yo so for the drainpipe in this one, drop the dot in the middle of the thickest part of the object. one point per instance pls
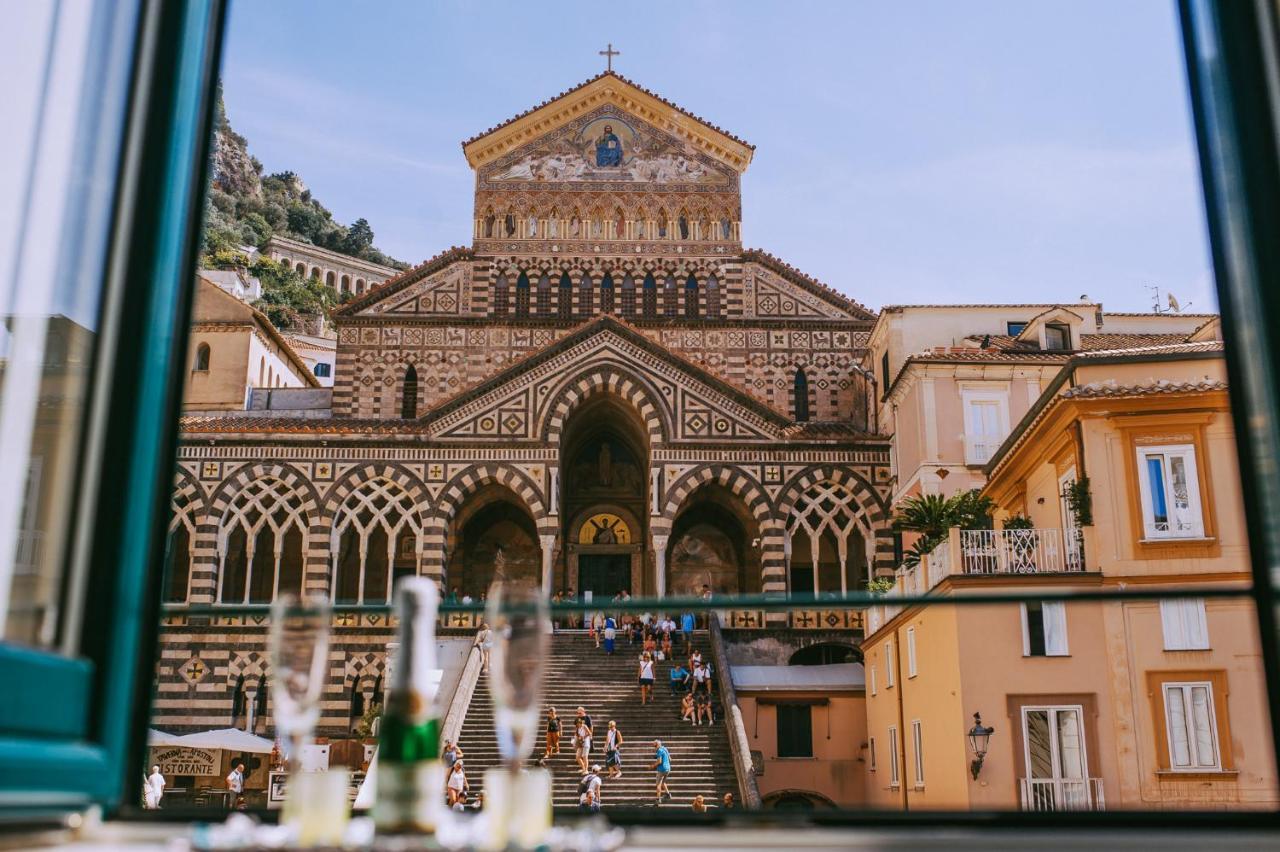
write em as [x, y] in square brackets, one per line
[898, 686]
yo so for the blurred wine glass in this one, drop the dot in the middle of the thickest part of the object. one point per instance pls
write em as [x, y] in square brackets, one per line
[299, 647]
[518, 615]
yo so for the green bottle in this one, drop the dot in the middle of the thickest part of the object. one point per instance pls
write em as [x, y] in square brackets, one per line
[410, 776]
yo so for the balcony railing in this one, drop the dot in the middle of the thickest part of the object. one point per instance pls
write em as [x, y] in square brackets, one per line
[1062, 794]
[1034, 551]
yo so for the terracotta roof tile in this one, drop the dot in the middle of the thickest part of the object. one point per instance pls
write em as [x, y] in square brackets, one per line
[1179, 347]
[588, 82]
[1110, 389]
[1106, 340]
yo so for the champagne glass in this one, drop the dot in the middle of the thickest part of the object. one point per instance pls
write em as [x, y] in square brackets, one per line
[519, 618]
[299, 647]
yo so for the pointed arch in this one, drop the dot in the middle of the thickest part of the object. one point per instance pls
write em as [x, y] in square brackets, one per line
[713, 297]
[649, 296]
[409, 394]
[261, 542]
[628, 295]
[500, 295]
[800, 396]
[606, 294]
[670, 296]
[522, 295]
[544, 294]
[376, 538]
[606, 378]
[691, 296]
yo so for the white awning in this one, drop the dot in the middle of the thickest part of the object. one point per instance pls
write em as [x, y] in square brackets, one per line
[160, 738]
[231, 739]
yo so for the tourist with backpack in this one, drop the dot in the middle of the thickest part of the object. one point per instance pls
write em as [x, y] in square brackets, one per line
[589, 791]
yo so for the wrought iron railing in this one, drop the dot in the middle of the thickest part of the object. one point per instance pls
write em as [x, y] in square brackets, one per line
[1062, 794]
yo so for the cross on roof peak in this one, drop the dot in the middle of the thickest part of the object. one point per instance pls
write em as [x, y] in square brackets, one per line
[608, 53]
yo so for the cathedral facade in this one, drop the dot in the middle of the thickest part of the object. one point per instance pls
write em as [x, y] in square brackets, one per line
[605, 391]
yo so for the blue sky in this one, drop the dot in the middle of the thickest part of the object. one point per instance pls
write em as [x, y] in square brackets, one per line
[905, 151]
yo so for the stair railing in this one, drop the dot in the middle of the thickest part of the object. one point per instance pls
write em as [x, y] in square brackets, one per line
[739, 745]
[457, 713]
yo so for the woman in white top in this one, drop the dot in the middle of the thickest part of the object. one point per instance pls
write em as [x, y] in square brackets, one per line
[582, 745]
[646, 678]
[484, 641]
[457, 786]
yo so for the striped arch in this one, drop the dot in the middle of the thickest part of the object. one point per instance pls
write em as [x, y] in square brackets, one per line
[397, 473]
[871, 501]
[455, 495]
[188, 509]
[606, 378]
[242, 476]
[873, 510]
[316, 543]
[734, 479]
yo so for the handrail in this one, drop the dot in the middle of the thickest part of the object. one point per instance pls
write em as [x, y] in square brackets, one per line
[451, 729]
[739, 745]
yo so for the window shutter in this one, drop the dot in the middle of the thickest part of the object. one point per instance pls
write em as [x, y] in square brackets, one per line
[1184, 625]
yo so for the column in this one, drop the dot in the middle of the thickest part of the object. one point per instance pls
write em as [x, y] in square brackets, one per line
[548, 543]
[660, 565]
[843, 546]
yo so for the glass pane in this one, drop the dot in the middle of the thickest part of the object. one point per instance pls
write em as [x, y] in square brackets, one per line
[1176, 717]
[1039, 743]
[1202, 724]
[61, 115]
[1071, 757]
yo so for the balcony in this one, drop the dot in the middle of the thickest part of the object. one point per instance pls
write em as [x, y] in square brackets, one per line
[986, 553]
[1062, 794]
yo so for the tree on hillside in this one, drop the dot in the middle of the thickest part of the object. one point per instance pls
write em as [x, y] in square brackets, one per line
[359, 238]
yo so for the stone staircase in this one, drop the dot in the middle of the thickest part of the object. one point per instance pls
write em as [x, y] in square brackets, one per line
[579, 674]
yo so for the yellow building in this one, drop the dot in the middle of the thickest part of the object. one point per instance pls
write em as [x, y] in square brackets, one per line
[1121, 476]
[234, 349]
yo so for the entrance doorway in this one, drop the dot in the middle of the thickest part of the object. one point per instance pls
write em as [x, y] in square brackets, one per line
[604, 574]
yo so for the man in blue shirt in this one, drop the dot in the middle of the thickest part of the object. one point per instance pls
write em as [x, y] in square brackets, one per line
[662, 768]
[686, 630]
[679, 679]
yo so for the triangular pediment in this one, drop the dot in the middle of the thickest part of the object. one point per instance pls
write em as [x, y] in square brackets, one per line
[687, 403]
[627, 99]
[433, 287]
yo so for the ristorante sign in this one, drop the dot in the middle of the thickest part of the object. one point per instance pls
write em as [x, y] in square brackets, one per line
[179, 760]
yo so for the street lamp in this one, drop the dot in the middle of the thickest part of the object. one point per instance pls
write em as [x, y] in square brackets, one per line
[979, 739]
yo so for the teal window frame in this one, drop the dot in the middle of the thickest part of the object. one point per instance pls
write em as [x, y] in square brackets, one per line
[72, 725]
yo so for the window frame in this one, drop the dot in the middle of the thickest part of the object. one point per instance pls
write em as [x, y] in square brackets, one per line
[911, 652]
[917, 748]
[984, 393]
[889, 663]
[792, 707]
[76, 742]
[1184, 689]
[895, 779]
[1195, 499]
[1045, 608]
[1220, 694]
